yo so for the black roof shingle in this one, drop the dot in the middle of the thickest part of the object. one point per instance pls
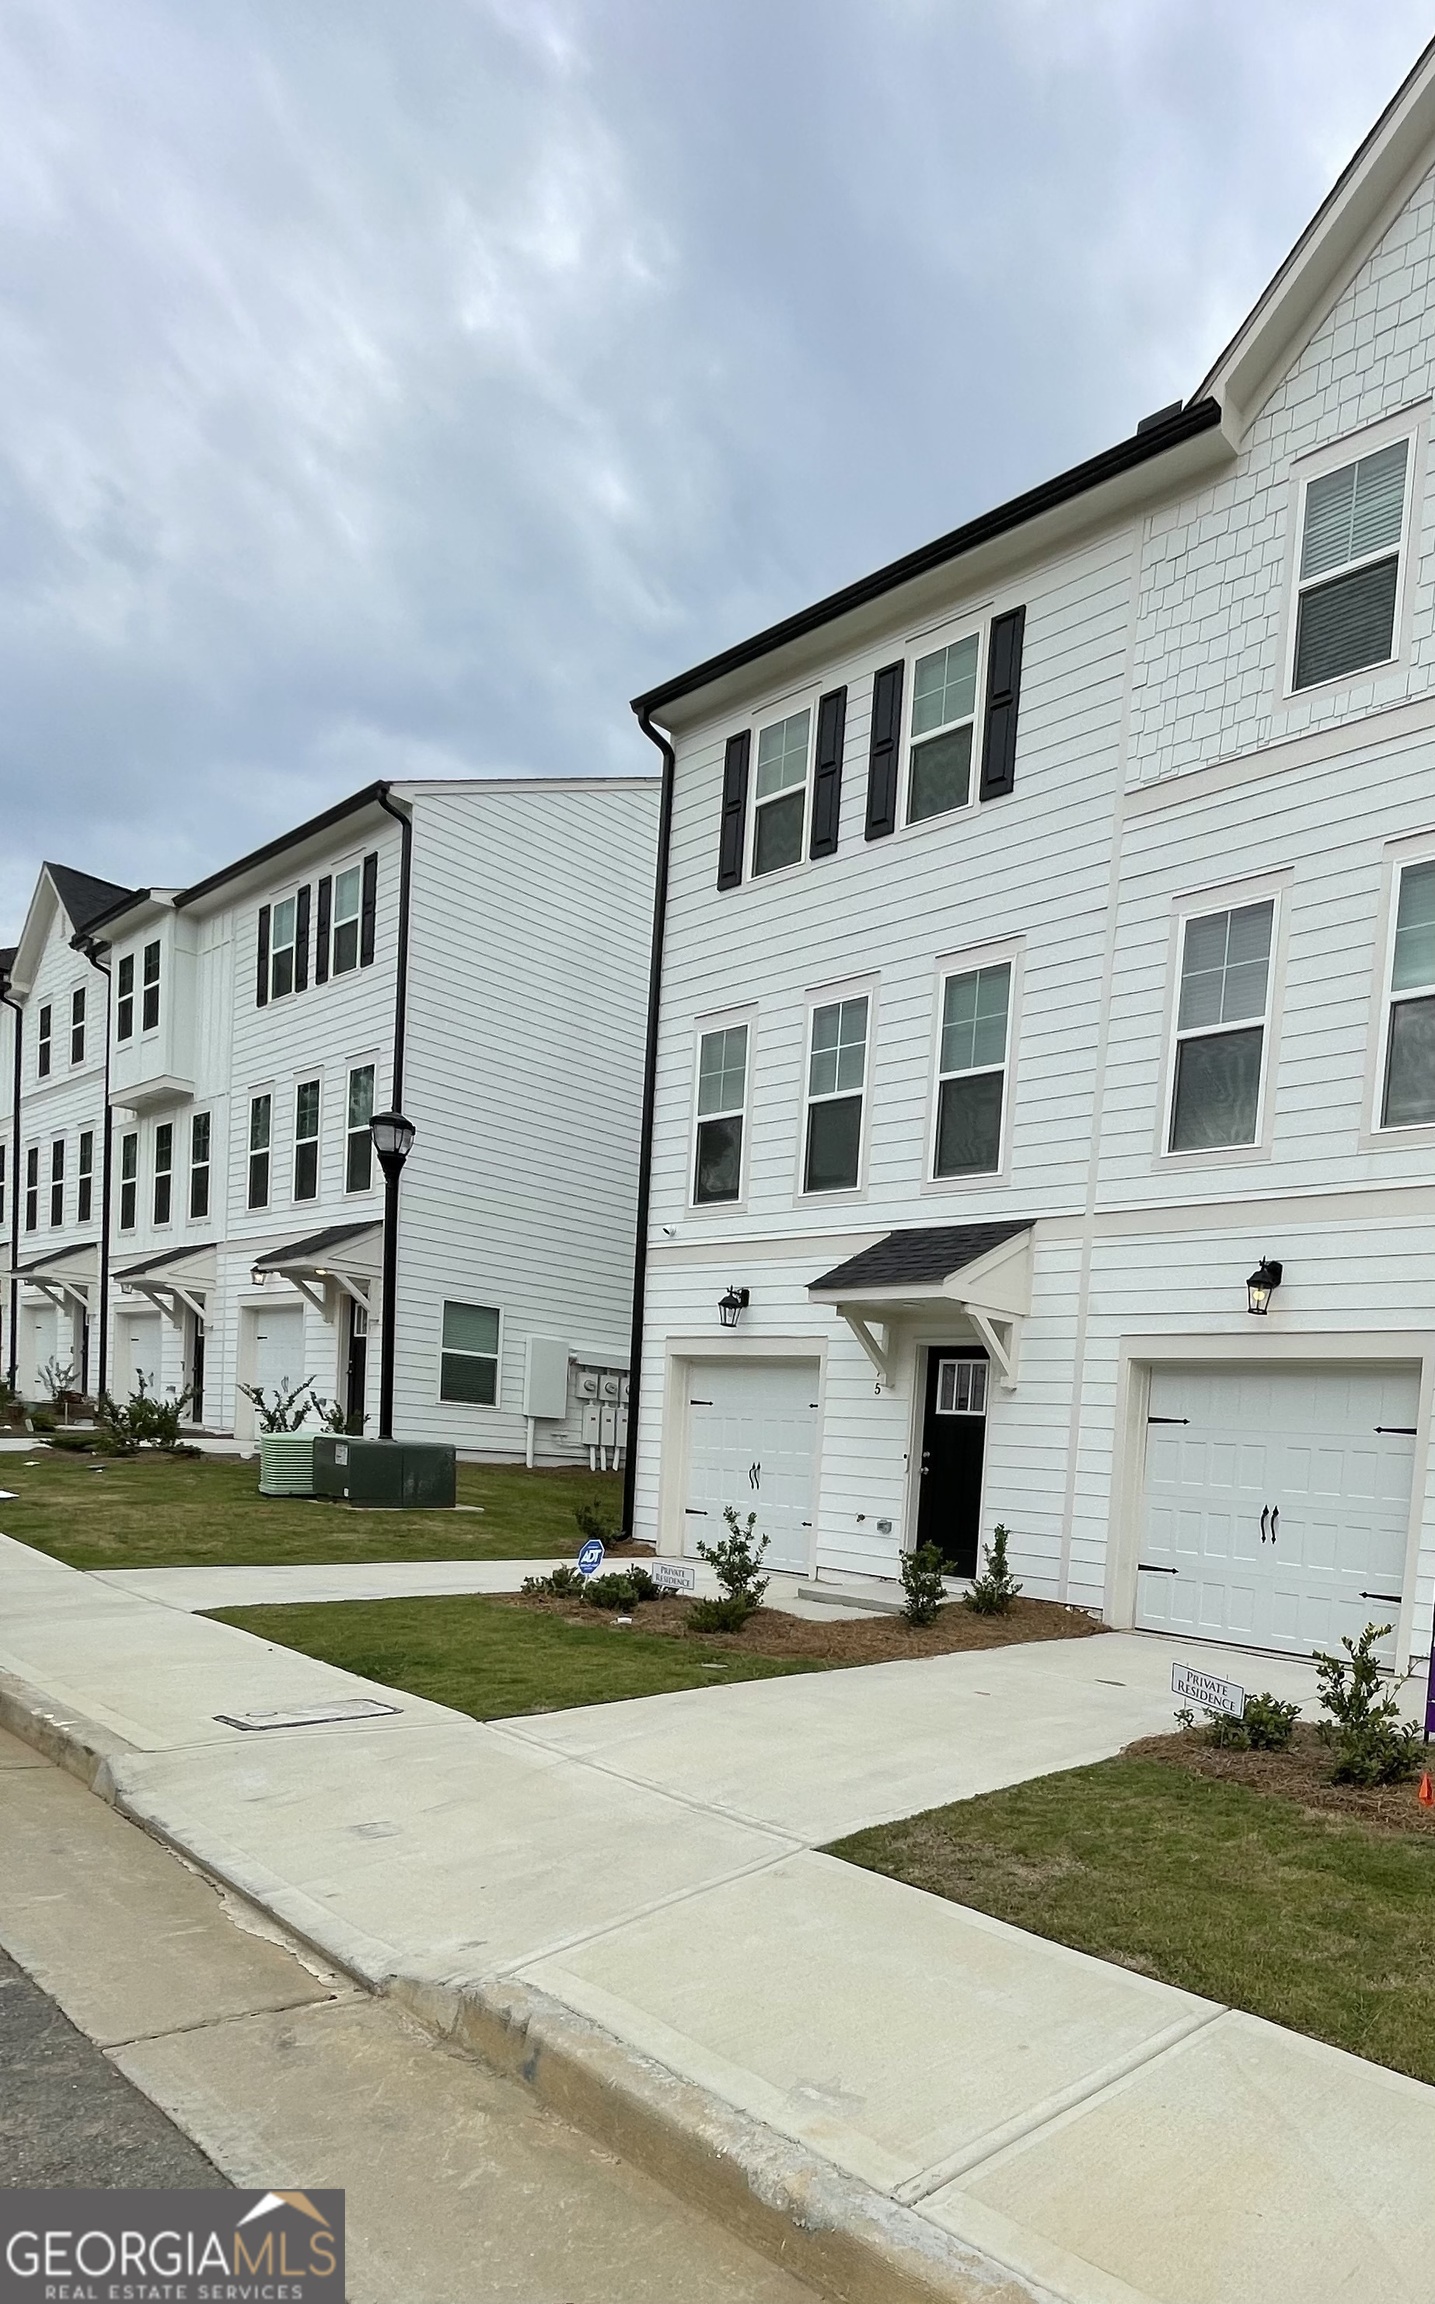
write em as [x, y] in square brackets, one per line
[921, 1257]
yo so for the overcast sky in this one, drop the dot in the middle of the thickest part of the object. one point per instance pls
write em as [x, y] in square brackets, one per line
[397, 390]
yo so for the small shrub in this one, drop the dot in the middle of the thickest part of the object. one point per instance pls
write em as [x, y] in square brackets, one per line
[72, 1443]
[44, 1420]
[142, 1421]
[727, 1615]
[610, 1592]
[334, 1417]
[594, 1526]
[564, 1584]
[923, 1585]
[287, 1410]
[56, 1379]
[1372, 1744]
[735, 1560]
[1269, 1723]
[994, 1591]
[645, 1587]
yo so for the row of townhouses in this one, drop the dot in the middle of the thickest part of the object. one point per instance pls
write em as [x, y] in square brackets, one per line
[188, 1180]
[1048, 943]
[1034, 1119]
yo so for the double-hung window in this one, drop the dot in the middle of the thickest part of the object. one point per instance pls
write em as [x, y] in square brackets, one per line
[943, 730]
[971, 1071]
[57, 1181]
[348, 891]
[149, 1002]
[199, 1136]
[32, 1188]
[85, 1177]
[45, 1044]
[1221, 1022]
[1408, 1090]
[468, 1363]
[722, 1106]
[1348, 585]
[129, 1179]
[125, 998]
[306, 1140]
[163, 1171]
[281, 949]
[780, 792]
[77, 1026]
[261, 1114]
[836, 1079]
[2, 1186]
[358, 1143]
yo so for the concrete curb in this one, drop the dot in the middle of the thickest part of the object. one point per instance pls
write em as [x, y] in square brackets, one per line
[828, 2228]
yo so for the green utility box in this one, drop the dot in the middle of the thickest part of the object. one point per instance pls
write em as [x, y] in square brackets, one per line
[386, 1475]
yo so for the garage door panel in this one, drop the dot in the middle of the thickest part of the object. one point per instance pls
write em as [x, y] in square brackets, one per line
[752, 1433]
[1305, 1441]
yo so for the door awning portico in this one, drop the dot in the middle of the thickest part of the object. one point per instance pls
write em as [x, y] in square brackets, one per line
[347, 1258]
[66, 1275]
[177, 1280]
[981, 1270]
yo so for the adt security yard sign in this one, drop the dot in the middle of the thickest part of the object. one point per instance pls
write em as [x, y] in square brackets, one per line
[590, 1559]
[1205, 1689]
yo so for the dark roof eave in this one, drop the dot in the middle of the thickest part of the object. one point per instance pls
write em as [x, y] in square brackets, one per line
[1141, 448]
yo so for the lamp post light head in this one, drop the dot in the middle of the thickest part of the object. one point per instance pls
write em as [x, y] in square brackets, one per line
[732, 1306]
[1262, 1283]
[393, 1137]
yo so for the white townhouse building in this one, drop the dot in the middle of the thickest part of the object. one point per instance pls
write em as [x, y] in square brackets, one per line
[475, 952]
[1047, 943]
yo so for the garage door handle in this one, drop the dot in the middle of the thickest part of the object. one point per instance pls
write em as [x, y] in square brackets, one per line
[1394, 1598]
[1147, 1569]
[1265, 1522]
[1275, 1521]
[695, 1511]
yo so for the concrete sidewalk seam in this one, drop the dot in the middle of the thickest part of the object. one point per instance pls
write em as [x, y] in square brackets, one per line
[1029, 2124]
[514, 1968]
[235, 2016]
[512, 1729]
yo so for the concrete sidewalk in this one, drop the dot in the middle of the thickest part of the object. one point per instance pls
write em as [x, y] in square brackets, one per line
[626, 1904]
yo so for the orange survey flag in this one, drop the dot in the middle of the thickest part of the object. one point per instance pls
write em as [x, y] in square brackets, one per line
[1426, 1794]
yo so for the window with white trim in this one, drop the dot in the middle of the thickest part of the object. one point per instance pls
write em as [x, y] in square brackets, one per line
[2, 1186]
[129, 1180]
[961, 1387]
[468, 1363]
[32, 1188]
[85, 1177]
[1408, 1088]
[125, 998]
[261, 1116]
[77, 1025]
[199, 1144]
[149, 997]
[282, 932]
[779, 814]
[971, 1071]
[1348, 585]
[348, 891]
[45, 1043]
[722, 1108]
[57, 1181]
[836, 1080]
[306, 1140]
[163, 1171]
[358, 1142]
[942, 734]
[1222, 1016]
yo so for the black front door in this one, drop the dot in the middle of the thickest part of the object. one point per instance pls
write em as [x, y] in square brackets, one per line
[357, 1372]
[954, 1431]
[196, 1374]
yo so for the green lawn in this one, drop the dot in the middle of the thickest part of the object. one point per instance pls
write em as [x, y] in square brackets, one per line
[482, 1657]
[1316, 1922]
[150, 1512]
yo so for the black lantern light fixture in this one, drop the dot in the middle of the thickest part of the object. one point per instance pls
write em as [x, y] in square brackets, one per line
[732, 1306]
[393, 1138]
[1262, 1283]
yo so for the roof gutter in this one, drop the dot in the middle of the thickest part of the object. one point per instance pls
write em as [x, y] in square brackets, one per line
[1143, 447]
[645, 1126]
[90, 948]
[13, 1360]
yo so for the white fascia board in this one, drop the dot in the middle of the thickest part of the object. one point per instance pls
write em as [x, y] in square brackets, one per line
[998, 1282]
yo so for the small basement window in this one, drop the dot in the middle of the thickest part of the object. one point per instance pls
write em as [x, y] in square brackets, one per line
[468, 1371]
[1349, 580]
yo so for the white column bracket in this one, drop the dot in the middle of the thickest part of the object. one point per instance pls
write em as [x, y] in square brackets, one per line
[878, 1354]
[1004, 1348]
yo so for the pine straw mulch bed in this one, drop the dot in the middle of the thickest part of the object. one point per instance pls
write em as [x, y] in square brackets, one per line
[865, 1640]
[1300, 1775]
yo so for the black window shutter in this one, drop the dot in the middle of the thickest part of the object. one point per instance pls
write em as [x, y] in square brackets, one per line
[827, 782]
[1003, 694]
[261, 989]
[882, 760]
[733, 828]
[368, 909]
[301, 941]
[321, 932]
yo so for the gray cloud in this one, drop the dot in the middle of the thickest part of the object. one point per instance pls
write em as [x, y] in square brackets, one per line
[395, 391]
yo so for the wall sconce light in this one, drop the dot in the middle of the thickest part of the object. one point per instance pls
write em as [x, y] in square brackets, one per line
[732, 1306]
[258, 1276]
[1265, 1278]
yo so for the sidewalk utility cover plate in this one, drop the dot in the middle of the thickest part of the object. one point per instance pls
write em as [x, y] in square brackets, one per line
[310, 1715]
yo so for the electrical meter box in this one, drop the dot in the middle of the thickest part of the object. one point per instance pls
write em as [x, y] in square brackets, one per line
[386, 1475]
[587, 1383]
[610, 1387]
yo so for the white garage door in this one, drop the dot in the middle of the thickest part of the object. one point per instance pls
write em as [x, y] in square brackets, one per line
[752, 1438]
[1277, 1503]
[279, 1348]
[142, 1345]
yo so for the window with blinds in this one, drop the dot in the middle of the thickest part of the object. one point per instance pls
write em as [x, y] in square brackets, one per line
[1349, 580]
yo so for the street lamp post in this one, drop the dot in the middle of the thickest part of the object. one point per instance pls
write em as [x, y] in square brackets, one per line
[393, 1137]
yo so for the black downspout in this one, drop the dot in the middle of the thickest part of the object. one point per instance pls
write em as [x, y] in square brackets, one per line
[13, 1379]
[89, 948]
[645, 1137]
[388, 1339]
